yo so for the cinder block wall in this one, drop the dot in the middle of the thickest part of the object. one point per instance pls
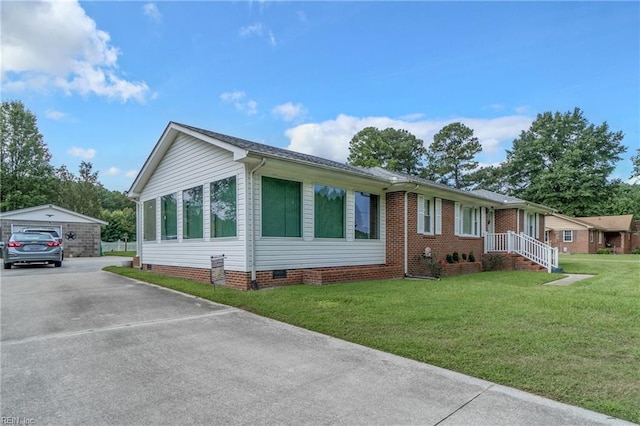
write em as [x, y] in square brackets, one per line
[86, 243]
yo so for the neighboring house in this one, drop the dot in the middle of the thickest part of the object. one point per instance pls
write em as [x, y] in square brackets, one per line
[80, 233]
[588, 234]
[279, 217]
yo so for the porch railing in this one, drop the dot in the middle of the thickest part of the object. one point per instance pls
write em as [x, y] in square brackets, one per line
[523, 245]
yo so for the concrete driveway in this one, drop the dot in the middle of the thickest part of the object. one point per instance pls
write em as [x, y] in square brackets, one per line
[82, 346]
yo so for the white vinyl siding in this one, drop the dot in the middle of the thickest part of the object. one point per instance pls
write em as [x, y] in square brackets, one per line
[309, 252]
[188, 163]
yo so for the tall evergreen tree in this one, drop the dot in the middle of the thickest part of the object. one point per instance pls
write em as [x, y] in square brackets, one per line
[450, 157]
[27, 177]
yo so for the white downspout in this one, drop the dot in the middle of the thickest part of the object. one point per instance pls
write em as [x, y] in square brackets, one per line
[406, 230]
[139, 229]
[252, 234]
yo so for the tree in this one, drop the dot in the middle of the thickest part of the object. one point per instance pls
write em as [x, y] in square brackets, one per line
[122, 224]
[450, 157]
[564, 162]
[89, 190]
[636, 164]
[392, 149]
[626, 200]
[27, 177]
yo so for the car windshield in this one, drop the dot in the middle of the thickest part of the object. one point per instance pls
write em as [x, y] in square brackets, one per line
[27, 236]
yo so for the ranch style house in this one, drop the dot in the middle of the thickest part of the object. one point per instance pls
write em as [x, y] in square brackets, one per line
[267, 216]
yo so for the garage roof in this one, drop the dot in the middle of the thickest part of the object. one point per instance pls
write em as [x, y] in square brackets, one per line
[49, 213]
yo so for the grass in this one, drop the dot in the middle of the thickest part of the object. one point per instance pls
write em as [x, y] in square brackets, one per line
[578, 344]
[120, 253]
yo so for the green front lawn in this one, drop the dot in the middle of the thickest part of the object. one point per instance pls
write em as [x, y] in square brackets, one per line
[579, 344]
[120, 253]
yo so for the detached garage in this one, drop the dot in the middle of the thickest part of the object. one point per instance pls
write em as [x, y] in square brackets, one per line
[81, 234]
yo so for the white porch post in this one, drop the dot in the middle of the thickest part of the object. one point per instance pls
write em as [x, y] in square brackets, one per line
[509, 241]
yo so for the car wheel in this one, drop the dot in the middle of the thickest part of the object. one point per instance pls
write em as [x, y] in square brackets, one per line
[57, 264]
[7, 266]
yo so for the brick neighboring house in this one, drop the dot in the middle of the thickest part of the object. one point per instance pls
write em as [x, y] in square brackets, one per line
[271, 217]
[588, 234]
[85, 230]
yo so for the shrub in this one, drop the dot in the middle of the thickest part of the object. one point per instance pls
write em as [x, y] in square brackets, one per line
[493, 262]
[433, 267]
[464, 257]
[472, 258]
[456, 257]
[635, 250]
[604, 251]
[449, 258]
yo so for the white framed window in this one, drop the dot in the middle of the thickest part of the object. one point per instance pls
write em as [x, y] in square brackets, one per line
[591, 231]
[425, 215]
[467, 220]
[567, 236]
[599, 237]
[531, 224]
[149, 225]
[329, 211]
[429, 215]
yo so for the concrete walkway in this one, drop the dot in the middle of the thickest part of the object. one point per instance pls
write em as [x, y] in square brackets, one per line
[570, 279]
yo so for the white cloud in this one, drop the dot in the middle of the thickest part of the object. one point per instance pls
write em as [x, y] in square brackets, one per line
[523, 109]
[131, 173]
[112, 171]
[54, 44]
[237, 99]
[330, 139]
[55, 115]
[258, 30]
[85, 154]
[289, 111]
[151, 10]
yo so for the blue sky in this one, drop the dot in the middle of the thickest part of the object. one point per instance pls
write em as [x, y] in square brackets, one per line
[105, 78]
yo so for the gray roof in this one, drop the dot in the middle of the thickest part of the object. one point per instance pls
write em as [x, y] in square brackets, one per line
[500, 198]
[376, 173]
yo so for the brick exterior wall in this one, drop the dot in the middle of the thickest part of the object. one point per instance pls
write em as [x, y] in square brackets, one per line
[86, 243]
[242, 280]
[507, 220]
[619, 242]
[440, 245]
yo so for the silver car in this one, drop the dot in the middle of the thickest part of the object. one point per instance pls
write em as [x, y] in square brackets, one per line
[32, 247]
